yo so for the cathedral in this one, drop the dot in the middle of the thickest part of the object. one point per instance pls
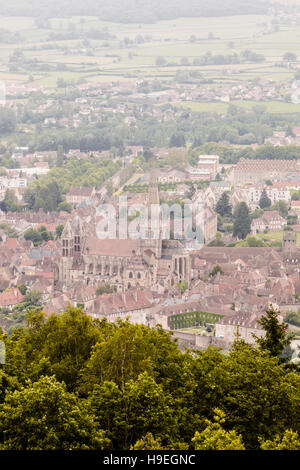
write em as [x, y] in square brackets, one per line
[149, 262]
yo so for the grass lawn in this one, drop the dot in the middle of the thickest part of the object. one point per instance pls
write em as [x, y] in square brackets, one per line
[194, 331]
[276, 236]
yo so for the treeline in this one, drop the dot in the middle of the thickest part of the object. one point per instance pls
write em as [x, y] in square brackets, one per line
[218, 59]
[108, 131]
[134, 11]
[71, 382]
[233, 154]
[77, 34]
[8, 37]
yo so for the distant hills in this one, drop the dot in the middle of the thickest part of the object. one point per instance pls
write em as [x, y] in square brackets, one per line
[133, 11]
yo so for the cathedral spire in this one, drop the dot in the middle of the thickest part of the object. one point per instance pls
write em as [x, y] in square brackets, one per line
[153, 238]
[153, 194]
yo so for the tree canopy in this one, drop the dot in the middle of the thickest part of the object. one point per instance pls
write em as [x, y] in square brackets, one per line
[72, 382]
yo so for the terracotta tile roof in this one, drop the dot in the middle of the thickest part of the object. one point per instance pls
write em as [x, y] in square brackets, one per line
[244, 319]
[80, 191]
[115, 303]
[12, 243]
[12, 297]
[111, 247]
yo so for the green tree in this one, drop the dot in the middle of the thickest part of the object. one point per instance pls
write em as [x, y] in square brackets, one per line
[275, 338]
[254, 242]
[37, 236]
[44, 416]
[58, 346]
[281, 207]
[60, 156]
[129, 414]
[215, 270]
[242, 221]
[258, 395]
[289, 441]
[59, 230]
[33, 297]
[131, 350]
[64, 206]
[289, 57]
[214, 437]
[9, 203]
[121, 358]
[182, 286]
[160, 61]
[105, 288]
[22, 288]
[223, 206]
[8, 120]
[148, 442]
[264, 201]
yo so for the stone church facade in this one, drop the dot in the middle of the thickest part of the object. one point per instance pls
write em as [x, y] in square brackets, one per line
[150, 262]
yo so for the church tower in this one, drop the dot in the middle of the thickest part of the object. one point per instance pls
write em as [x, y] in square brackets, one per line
[72, 239]
[153, 239]
[289, 241]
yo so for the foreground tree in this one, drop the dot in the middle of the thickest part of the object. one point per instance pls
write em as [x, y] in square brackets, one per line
[148, 442]
[214, 437]
[57, 346]
[129, 414]
[257, 394]
[44, 416]
[289, 441]
[131, 380]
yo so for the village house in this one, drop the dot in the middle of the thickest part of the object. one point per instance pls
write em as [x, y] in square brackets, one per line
[199, 174]
[167, 175]
[244, 323]
[295, 205]
[210, 163]
[210, 224]
[219, 187]
[270, 221]
[77, 195]
[275, 193]
[134, 304]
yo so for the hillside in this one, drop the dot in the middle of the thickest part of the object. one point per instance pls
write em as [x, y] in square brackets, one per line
[132, 11]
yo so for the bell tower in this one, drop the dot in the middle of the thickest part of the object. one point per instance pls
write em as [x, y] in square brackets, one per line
[71, 240]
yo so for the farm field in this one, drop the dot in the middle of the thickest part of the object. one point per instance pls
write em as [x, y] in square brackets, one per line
[120, 55]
